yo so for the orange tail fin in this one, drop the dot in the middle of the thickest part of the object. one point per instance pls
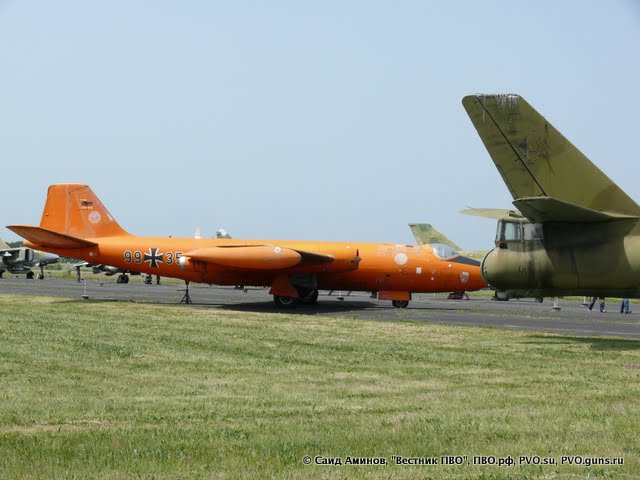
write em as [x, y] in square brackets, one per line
[73, 209]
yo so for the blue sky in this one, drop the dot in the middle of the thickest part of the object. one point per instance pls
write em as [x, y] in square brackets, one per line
[332, 120]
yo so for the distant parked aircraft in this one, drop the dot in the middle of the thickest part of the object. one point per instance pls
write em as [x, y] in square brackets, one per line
[426, 234]
[18, 260]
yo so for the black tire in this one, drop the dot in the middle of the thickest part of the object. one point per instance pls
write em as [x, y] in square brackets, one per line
[41, 276]
[285, 302]
[308, 296]
[400, 303]
[30, 275]
[125, 279]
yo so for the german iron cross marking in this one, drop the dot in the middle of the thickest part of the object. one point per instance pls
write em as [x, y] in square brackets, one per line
[153, 257]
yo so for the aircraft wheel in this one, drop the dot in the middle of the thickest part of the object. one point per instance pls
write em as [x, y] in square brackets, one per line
[125, 279]
[30, 275]
[285, 302]
[539, 299]
[400, 303]
[308, 296]
[41, 276]
[1, 273]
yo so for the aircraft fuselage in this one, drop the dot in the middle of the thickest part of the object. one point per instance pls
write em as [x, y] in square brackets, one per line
[381, 266]
[560, 259]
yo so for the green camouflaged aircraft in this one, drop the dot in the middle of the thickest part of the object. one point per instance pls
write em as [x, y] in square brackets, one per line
[427, 234]
[580, 233]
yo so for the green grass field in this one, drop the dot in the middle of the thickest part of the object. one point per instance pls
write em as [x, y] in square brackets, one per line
[122, 390]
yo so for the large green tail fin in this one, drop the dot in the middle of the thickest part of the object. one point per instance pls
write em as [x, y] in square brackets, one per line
[536, 160]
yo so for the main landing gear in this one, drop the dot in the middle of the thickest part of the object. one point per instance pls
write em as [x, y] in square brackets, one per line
[122, 278]
[400, 303]
[285, 302]
[308, 296]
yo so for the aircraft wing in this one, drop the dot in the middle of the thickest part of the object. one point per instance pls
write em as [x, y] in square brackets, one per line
[536, 160]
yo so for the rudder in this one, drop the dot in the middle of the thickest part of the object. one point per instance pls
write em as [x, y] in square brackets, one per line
[73, 209]
[425, 234]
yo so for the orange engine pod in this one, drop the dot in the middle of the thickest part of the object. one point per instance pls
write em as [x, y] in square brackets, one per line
[259, 257]
[272, 257]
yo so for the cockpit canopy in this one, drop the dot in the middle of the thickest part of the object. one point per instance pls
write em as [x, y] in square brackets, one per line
[443, 251]
[517, 231]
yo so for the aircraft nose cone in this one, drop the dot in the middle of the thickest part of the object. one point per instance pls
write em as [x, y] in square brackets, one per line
[51, 258]
[488, 268]
[502, 270]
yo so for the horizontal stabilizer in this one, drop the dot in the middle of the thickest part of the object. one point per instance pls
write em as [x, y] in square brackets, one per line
[49, 238]
[548, 209]
[495, 213]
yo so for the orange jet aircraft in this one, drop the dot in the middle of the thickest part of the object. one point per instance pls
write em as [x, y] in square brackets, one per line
[75, 224]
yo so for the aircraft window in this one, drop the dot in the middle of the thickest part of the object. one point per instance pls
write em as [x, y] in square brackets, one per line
[499, 231]
[532, 231]
[443, 251]
[511, 231]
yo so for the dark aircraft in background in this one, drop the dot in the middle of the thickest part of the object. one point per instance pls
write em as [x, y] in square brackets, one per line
[108, 270]
[18, 260]
[578, 234]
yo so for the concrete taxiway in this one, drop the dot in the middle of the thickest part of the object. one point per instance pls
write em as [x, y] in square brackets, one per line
[571, 319]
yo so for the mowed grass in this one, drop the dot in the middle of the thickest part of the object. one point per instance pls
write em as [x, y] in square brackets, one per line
[124, 390]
